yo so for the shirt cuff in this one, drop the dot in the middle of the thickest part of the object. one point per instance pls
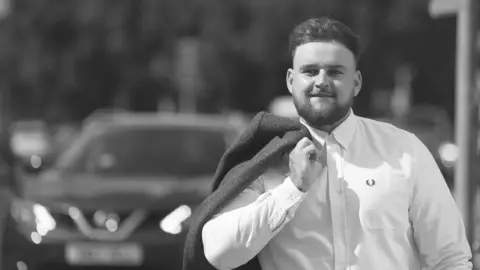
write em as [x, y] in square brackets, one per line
[288, 191]
[287, 198]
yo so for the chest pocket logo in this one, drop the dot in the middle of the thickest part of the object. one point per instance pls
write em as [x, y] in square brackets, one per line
[370, 182]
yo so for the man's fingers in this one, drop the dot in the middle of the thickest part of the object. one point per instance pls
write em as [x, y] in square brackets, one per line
[311, 152]
[309, 149]
[306, 149]
[304, 142]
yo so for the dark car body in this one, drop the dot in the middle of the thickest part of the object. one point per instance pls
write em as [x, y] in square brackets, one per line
[119, 196]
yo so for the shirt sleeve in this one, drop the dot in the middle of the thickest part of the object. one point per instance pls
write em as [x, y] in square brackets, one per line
[438, 226]
[247, 224]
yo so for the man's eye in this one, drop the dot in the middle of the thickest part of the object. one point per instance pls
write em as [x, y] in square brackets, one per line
[311, 72]
[335, 72]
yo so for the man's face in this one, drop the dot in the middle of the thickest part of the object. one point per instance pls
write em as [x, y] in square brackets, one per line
[323, 82]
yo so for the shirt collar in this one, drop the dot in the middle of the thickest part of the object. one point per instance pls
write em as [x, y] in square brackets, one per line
[343, 133]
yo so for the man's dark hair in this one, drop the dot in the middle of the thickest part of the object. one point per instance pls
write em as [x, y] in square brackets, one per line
[324, 29]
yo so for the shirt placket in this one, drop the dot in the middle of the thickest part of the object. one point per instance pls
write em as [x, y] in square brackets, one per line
[337, 204]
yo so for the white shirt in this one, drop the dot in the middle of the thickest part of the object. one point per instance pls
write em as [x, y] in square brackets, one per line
[381, 204]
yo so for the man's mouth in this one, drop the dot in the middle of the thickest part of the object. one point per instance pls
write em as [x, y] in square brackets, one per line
[322, 95]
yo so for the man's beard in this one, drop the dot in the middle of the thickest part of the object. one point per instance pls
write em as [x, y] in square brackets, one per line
[325, 116]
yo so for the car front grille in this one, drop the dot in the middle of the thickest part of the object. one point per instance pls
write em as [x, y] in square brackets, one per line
[64, 221]
[152, 220]
[149, 222]
[89, 216]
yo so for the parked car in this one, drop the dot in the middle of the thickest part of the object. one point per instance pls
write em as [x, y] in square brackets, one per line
[119, 195]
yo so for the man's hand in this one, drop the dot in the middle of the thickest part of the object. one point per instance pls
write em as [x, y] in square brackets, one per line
[303, 168]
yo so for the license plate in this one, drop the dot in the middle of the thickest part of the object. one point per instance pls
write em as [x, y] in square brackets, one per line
[103, 254]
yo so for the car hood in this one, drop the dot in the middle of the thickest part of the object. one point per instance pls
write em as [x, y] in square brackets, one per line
[86, 191]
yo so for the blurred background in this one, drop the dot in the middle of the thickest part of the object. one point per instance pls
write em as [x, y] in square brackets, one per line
[62, 60]
[69, 68]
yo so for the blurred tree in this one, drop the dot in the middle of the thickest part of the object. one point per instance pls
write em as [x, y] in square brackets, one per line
[62, 59]
[78, 56]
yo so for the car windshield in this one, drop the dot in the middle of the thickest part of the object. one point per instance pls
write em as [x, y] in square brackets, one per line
[179, 151]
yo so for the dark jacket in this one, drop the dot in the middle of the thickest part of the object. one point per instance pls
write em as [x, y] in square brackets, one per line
[262, 144]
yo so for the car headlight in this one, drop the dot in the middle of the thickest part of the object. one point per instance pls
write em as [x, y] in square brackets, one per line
[448, 153]
[173, 222]
[33, 215]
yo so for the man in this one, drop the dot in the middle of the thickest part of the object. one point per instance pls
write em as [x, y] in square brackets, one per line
[359, 195]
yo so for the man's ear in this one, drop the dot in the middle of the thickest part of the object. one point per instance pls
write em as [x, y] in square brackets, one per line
[357, 82]
[290, 80]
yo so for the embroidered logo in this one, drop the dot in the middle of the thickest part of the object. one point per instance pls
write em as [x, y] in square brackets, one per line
[370, 182]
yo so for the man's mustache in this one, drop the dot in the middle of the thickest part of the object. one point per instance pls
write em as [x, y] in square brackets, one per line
[319, 92]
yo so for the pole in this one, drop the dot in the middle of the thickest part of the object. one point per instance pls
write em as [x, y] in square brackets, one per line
[188, 73]
[4, 8]
[465, 111]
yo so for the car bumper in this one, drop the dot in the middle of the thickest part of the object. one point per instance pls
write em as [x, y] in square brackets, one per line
[157, 251]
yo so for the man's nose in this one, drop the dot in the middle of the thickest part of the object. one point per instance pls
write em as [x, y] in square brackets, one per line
[322, 79]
